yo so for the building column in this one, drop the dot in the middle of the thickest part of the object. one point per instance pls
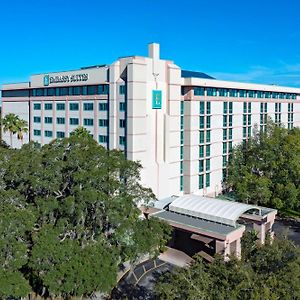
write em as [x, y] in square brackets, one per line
[238, 251]
[223, 248]
[261, 229]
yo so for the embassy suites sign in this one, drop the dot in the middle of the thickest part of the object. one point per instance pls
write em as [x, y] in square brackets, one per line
[65, 78]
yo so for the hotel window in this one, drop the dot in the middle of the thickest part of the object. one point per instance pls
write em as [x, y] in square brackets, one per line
[211, 92]
[208, 122]
[201, 166]
[103, 138]
[181, 152]
[48, 133]
[243, 93]
[77, 90]
[182, 107]
[281, 95]
[230, 146]
[198, 91]
[245, 107]
[48, 106]
[294, 96]
[64, 91]
[181, 122]
[60, 120]
[37, 106]
[201, 151]
[39, 92]
[60, 134]
[88, 106]
[223, 92]
[287, 96]
[230, 134]
[201, 122]
[267, 94]
[244, 132]
[92, 90]
[249, 131]
[48, 120]
[207, 184]
[249, 120]
[103, 89]
[224, 147]
[201, 182]
[244, 120]
[207, 165]
[202, 109]
[225, 121]
[208, 108]
[84, 90]
[251, 94]
[103, 122]
[122, 123]
[201, 137]
[207, 150]
[37, 119]
[249, 107]
[260, 94]
[230, 120]
[181, 137]
[36, 132]
[74, 106]
[208, 136]
[103, 106]
[224, 162]
[181, 167]
[181, 183]
[233, 93]
[225, 107]
[274, 95]
[88, 122]
[122, 106]
[74, 121]
[122, 89]
[122, 140]
[224, 134]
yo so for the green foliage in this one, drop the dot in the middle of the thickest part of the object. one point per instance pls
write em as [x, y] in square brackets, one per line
[265, 274]
[69, 217]
[266, 170]
[14, 125]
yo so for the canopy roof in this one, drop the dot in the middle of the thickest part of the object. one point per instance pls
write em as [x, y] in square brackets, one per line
[215, 210]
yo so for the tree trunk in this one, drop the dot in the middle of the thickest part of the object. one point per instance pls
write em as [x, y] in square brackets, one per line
[10, 138]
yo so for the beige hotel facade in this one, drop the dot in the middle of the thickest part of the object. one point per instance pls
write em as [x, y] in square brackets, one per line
[181, 125]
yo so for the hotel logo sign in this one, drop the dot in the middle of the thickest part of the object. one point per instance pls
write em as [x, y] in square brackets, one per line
[156, 99]
[65, 78]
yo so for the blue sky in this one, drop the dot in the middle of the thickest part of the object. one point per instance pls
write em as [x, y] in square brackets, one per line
[251, 41]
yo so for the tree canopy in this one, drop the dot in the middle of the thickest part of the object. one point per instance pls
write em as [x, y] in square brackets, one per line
[266, 169]
[263, 273]
[14, 125]
[69, 217]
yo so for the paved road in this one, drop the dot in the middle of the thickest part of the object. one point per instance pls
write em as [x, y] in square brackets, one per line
[289, 228]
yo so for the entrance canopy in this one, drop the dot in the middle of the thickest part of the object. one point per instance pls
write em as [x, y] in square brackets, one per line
[211, 209]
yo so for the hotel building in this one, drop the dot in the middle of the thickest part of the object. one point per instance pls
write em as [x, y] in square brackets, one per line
[181, 125]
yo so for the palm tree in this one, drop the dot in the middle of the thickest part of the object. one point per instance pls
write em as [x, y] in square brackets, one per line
[10, 124]
[21, 129]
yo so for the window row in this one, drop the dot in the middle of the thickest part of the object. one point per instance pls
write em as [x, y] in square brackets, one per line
[73, 106]
[221, 92]
[75, 121]
[101, 89]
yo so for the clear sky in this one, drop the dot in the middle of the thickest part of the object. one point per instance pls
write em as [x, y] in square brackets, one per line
[244, 40]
